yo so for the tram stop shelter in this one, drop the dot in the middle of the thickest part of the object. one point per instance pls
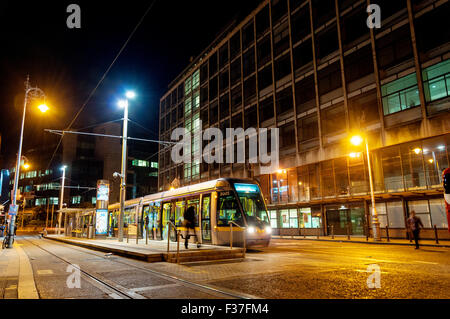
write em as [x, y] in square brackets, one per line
[78, 222]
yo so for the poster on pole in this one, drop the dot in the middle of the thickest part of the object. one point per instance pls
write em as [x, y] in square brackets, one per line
[101, 222]
[102, 192]
[13, 210]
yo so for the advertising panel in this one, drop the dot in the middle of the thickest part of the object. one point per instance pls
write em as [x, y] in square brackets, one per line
[101, 222]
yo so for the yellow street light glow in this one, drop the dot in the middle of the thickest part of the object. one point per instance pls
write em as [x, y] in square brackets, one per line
[354, 155]
[172, 188]
[431, 161]
[356, 140]
[417, 150]
[43, 108]
[26, 166]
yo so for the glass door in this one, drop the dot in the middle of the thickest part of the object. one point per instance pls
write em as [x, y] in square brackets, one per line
[206, 219]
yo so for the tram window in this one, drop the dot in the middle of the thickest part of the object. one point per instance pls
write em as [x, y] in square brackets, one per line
[180, 208]
[228, 210]
[194, 202]
[252, 202]
[206, 207]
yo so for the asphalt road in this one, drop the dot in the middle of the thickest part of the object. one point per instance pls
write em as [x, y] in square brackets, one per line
[300, 269]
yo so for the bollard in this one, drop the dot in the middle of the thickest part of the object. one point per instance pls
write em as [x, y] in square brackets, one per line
[231, 235]
[367, 233]
[348, 231]
[168, 239]
[387, 233]
[436, 234]
[178, 247]
[332, 231]
[318, 232]
[146, 236]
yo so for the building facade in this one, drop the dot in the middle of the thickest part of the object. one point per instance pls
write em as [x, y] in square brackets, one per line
[316, 71]
[88, 159]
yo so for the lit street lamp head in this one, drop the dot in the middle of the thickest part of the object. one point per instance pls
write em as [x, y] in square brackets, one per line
[63, 168]
[356, 140]
[26, 166]
[130, 94]
[43, 108]
[122, 103]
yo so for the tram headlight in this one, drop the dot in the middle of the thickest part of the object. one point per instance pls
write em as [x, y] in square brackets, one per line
[268, 229]
[251, 229]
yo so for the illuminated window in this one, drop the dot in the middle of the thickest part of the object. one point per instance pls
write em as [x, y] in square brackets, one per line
[53, 200]
[94, 200]
[154, 165]
[437, 81]
[140, 163]
[400, 94]
[196, 79]
[76, 199]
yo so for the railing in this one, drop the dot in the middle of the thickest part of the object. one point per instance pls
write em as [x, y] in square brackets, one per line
[231, 223]
[177, 232]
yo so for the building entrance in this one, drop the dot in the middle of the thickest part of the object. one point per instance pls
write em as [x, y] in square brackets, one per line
[340, 219]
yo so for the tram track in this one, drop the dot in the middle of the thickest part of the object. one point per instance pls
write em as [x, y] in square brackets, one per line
[120, 292]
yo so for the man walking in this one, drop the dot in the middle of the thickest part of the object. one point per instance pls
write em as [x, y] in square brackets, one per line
[414, 224]
[189, 223]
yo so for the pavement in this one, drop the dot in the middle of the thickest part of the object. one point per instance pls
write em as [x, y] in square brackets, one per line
[150, 251]
[288, 268]
[363, 240]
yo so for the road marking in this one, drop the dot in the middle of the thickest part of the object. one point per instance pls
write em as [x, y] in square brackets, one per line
[115, 296]
[27, 287]
[425, 262]
[154, 287]
[45, 272]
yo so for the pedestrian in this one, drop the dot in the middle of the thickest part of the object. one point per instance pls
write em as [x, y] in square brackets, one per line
[189, 223]
[414, 224]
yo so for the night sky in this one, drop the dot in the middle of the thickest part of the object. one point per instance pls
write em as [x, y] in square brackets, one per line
[68, 63]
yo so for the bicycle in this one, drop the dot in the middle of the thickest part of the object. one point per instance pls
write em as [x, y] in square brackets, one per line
[5, 243]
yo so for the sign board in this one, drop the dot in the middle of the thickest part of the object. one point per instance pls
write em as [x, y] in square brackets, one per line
[13, 210]
[101, 222]
[102, 192]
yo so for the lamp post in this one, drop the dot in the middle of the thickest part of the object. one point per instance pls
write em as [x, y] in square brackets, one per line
[123, 181]
[34, 93]
[357, 140]
[61, 199]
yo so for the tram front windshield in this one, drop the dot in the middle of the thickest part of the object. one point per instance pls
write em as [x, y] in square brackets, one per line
[252, 203]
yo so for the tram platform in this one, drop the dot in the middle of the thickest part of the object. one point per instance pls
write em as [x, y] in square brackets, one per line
[154, 250]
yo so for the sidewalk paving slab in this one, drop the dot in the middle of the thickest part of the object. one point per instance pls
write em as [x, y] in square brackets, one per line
[363, 240]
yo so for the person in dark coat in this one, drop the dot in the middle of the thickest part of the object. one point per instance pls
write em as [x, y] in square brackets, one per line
[189, 223]
[414, 224]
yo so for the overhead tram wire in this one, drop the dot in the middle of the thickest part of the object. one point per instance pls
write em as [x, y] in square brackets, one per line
[60, 132]
[101, 79]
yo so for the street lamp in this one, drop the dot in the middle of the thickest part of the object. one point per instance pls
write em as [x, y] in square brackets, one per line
[123, 181]
[63, 169]
[33, 93]
[358, 140]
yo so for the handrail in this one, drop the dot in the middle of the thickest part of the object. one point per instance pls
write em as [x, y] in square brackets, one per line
[177, 232]
[231, 223]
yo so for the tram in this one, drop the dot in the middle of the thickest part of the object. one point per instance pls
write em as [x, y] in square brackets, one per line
[217, 203]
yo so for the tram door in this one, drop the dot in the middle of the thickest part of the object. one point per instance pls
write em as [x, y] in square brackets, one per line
[206, 219]
[166, 216]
